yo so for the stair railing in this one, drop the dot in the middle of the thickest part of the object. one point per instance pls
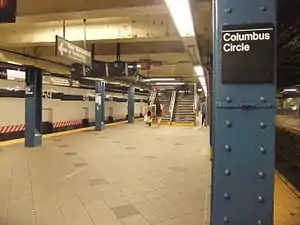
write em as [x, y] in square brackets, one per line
[153, 97]
[172, 105]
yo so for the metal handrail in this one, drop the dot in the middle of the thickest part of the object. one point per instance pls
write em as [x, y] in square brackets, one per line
[152, 97]
[172, 105]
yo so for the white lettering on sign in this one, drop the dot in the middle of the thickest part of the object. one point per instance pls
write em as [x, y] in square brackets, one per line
[240, 40]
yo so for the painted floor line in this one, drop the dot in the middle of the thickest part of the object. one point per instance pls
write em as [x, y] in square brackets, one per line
[21, 140]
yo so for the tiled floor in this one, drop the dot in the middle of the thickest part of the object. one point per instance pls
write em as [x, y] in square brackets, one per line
[126, 175]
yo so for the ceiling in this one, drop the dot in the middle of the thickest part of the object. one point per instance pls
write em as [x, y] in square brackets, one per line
[144, 29]
[288, 43]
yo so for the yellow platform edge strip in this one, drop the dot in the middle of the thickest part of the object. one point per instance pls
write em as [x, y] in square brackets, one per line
[21, 140]
[175, 124]
[288, 184]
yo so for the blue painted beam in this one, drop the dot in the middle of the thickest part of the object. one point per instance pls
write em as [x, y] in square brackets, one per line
[130, 107]
[33, 107]
[244, 89]
[99, 105]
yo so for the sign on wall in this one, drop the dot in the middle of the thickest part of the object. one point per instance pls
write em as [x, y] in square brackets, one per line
[72, 52]
[248, 53]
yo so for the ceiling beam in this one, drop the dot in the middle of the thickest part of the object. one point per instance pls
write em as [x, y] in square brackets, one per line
[25, 8]
[137, 29]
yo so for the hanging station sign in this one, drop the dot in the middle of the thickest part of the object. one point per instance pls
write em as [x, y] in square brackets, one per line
[72, 52]
[248, 53]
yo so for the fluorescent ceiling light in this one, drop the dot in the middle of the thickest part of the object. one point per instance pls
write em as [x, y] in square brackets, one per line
[15, 63]
[139, 66]
[169, 83]
[290, 90]
[199, 89]
[160, 79]
[182, 16]
[202, 80]
[199, 70]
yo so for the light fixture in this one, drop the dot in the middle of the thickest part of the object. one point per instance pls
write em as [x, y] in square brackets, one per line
[15, 63]
[199, 89]
[159, 79]
[199, 70]
[139, 66]
[181, 13]
[202, 80]
[290, 90]
[169, 83]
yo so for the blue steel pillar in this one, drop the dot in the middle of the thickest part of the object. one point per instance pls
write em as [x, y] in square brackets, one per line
[33, 107]
[99, 105]
[244, 87]
[130, 104]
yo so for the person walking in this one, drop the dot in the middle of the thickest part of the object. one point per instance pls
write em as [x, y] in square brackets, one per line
[203, 112]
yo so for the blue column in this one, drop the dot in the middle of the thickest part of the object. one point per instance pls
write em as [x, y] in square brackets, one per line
[130, 104]
[33, 107]
[244, 87]
[99, 105]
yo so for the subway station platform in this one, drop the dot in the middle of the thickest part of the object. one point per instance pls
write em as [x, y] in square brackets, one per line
[125, 175]
[288, 123]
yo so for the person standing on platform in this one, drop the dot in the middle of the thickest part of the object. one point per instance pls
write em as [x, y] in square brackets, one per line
[158, 109]
[203, 112]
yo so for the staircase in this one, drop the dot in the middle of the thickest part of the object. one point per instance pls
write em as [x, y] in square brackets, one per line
[184, 109]
[165, 100]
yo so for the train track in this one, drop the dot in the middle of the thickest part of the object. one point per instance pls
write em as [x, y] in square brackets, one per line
[288, 160]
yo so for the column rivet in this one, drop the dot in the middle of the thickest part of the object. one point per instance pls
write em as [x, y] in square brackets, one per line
[261, 199]
[228, 10]
[261, 175]
[228, 99]
[263, 125]
[262, 99]
[259, 222]
[228, 148]
[227, 172]
[262, 150]
[228, 123]
[263, 8]
[226, 220]
[226, 196]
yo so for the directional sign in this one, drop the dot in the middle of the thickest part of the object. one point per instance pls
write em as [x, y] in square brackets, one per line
[69, 51]
[248, 53]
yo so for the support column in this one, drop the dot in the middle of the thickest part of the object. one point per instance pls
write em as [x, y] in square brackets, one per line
[33, 107]
[99, 105]
[244, 105]
[130, 104]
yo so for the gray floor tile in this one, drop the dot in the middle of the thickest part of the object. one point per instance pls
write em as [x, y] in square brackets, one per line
[124, 211]
[80, 164]
[98, 181]
[148, 183]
